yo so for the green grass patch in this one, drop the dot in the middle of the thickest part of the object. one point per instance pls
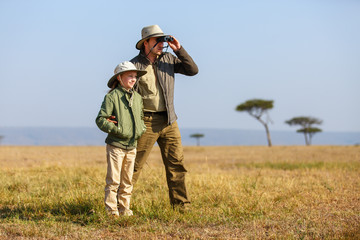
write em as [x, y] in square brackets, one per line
[290, 165]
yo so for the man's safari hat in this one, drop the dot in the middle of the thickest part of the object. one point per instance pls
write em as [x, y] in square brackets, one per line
[124, 67]
[149, 32]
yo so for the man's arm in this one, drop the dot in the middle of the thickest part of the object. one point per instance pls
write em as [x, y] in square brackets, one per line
[184, 64]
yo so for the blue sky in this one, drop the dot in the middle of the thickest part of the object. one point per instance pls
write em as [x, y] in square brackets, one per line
[57, 56]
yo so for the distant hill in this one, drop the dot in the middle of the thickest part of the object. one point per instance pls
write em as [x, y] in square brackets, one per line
[68, 136]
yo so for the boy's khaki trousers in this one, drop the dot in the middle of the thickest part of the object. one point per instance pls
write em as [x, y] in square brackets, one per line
[120, 168]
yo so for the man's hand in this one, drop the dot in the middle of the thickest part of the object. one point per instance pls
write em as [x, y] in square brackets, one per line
[175, 45]
[110, 119]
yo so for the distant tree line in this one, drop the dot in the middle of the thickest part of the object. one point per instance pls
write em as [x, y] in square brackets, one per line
[197, 136]
[307, 128]
[257, 108]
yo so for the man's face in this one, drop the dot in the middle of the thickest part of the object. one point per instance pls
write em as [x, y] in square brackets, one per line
[157, 50]
[128, 79]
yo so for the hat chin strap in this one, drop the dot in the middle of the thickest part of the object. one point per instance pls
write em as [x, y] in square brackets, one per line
[132, 95]
[154, 47]
[120, 81]
[151, 49]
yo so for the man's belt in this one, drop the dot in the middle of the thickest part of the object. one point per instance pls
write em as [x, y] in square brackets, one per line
[164, 113]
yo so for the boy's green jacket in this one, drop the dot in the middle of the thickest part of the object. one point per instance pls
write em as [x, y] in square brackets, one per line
[127, 107]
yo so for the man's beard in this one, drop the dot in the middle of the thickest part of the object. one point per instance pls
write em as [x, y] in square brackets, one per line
[157, 52]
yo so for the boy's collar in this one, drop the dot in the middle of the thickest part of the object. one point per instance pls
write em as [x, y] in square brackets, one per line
[124, 89]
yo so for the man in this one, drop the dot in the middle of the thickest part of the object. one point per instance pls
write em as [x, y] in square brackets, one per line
[157, 90]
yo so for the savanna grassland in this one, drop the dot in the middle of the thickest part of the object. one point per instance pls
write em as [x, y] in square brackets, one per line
[238, 192]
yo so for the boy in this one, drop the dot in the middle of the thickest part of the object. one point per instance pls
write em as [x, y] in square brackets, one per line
[126, 107]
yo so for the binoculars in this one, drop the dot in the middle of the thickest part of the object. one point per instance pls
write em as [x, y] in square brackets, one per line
[166, 38]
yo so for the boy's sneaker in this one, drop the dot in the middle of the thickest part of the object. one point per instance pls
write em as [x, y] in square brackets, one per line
[113, 214]
[127, 212]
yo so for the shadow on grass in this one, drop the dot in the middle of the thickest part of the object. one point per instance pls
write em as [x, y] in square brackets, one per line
[80, 212]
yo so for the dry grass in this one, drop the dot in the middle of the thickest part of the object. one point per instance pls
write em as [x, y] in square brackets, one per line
[292, 192]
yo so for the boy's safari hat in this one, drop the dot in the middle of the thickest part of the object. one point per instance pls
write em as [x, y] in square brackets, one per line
[149, 32]
[124, 67]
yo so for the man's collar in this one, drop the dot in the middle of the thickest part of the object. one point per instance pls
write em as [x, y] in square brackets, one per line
[146, 60]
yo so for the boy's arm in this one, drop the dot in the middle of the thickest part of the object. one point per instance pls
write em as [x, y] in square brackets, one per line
[105, 114]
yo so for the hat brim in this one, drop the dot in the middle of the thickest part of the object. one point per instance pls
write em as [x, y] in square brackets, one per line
[140, 43]
[113, 78]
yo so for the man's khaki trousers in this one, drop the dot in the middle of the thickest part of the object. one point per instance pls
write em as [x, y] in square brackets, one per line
[169, 140]
[120, 168]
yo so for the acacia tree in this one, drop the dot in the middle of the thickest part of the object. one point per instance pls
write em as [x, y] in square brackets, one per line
[197, 136]
[307, 129]
[257, 108]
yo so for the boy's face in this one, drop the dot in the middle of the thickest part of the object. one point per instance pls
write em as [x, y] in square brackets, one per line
[127, 79]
